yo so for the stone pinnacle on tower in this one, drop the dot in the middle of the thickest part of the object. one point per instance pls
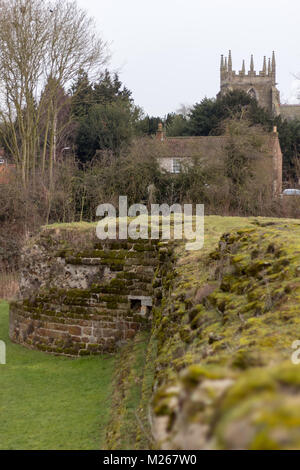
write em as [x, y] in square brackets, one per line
[222, 62]
[229, 62]
[269, 67]
[251, 64]
[265, 66]
[273, 66]
[226, 66]
[243, 68]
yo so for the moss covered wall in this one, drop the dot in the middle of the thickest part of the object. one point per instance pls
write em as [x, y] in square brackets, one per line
[76, 291]
[225, 326]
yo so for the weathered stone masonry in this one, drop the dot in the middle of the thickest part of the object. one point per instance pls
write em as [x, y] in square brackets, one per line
[80, 295]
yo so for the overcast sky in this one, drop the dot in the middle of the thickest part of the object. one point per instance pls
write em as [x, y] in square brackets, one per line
[168, 51]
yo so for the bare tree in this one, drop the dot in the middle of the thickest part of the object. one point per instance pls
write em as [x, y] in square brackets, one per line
[41, 43]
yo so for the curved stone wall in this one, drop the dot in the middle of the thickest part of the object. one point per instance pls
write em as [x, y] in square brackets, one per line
[81, 296]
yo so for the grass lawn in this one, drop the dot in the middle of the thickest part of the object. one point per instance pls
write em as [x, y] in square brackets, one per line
[49, 402]
[128, 426]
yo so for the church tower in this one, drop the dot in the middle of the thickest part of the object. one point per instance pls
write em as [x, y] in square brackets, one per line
[261, 85]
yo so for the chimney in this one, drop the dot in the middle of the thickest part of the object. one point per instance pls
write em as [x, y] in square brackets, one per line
[160, 132]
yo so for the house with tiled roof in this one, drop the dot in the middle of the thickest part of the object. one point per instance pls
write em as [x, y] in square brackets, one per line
[179, 151]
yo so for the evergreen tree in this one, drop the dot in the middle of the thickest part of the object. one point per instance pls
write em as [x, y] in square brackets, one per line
[106, 127]
[82, 95]
[105, 112]
[206, 117]
[177, 125]
[109, 88]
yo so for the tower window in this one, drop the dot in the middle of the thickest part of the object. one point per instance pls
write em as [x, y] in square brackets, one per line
[252, 93]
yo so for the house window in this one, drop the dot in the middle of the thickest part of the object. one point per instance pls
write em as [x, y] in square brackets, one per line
[176, 165]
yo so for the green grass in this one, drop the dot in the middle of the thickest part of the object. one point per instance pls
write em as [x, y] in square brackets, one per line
[127, 428]
[130, 423]
[49, 402]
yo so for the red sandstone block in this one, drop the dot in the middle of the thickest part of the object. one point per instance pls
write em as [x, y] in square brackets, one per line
[51, 333]
[42, 332]
[87, 330]
[83, 322]
[129, 334]
[74, 330]
[87, 339]
[76, 339]
[56, 326]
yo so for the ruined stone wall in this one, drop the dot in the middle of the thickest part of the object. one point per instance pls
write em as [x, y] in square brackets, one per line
[82, 296]
[225, 328]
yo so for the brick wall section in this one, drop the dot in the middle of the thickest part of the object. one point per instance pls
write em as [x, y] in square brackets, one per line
[277, 164]
[95, 316]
